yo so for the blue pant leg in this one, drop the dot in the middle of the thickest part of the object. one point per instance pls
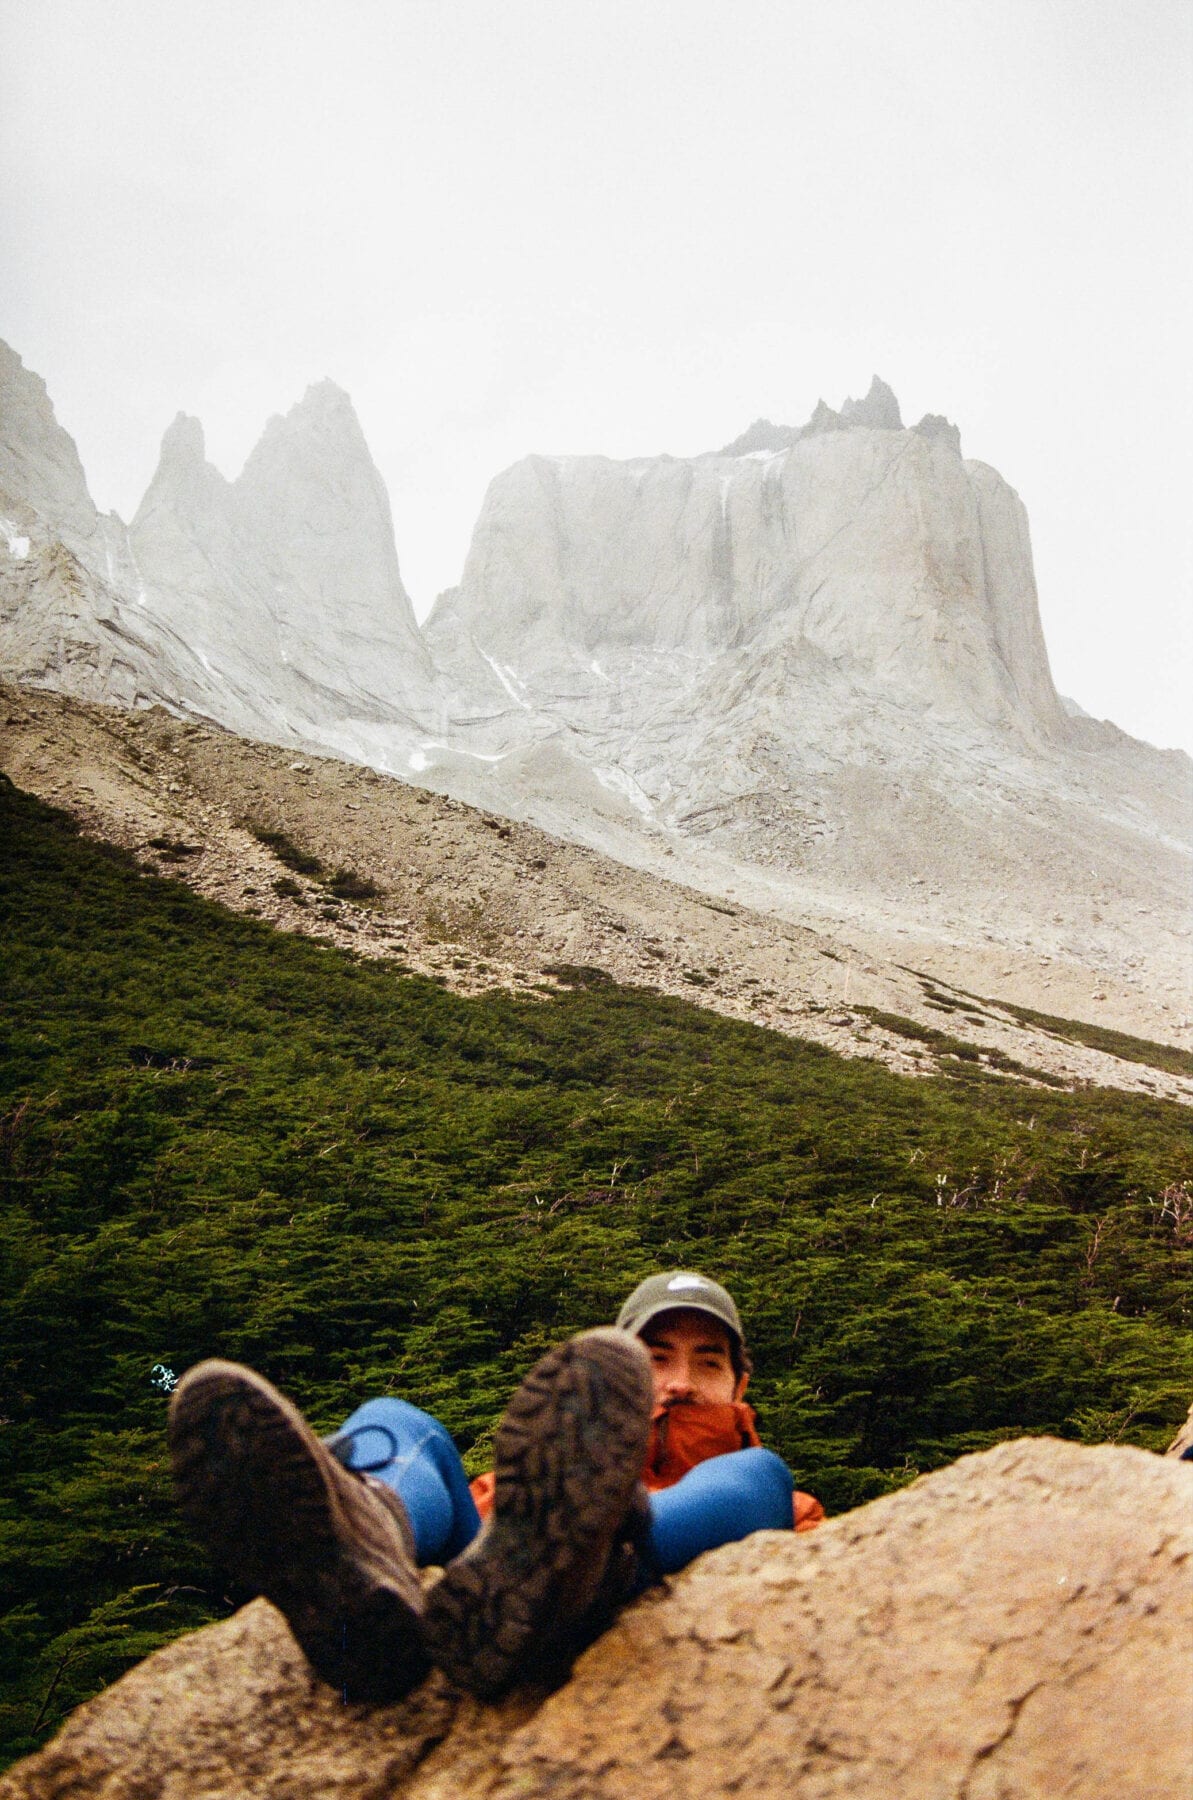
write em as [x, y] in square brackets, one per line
[718, 1502]
[413, 1454]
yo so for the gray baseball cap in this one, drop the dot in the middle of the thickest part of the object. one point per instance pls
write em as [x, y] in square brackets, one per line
[678, 1287]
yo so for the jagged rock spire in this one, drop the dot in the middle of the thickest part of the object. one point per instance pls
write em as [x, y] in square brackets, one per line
[879, 409]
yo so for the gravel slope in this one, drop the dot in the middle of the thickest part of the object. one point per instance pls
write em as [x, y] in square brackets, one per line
[478, 901]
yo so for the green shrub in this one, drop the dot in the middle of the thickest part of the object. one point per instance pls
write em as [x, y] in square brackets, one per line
[346, 884]
[173, 849]
[578, 975]
[292, 855]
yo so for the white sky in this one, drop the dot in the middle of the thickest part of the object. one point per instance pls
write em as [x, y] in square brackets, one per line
[597, 225]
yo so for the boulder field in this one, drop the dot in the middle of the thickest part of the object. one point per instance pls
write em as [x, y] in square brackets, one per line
[1019, 1624]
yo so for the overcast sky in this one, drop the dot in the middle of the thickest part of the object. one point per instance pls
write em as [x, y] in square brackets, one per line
[597, 225]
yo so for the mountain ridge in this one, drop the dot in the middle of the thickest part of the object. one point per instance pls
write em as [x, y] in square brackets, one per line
[816, 674]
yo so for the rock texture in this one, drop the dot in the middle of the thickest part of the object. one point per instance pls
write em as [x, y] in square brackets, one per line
[879, 409]
[286, 578]
[270, 604]
[39, 464]
[1020, 1624]
[871, 556]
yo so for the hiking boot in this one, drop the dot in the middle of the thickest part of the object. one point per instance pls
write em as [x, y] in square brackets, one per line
[557, 1557]
[332, 1550]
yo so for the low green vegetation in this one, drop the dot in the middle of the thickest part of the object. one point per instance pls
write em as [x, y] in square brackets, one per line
[173, 849]
[288, 853]
[342, 884]
[943, 1043]
[219, 1139]
[578, 975]
[1168, 1057]
[347, 884]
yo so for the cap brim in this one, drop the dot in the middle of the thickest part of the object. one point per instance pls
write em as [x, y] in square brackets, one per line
[681, 1305]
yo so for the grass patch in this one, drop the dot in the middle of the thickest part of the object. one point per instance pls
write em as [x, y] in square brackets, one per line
[944, 1044]
[1167, 1057]
[340, 884]
[578, 975]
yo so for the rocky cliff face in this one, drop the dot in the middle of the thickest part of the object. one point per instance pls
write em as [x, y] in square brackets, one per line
[863, 548]
[1018, 1624]
[817, 654]
[287, 576]
[808, 666]
[270, 604]
[40, 469]
[71, 597]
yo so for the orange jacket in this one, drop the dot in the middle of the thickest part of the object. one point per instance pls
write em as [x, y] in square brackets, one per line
[681, 1437]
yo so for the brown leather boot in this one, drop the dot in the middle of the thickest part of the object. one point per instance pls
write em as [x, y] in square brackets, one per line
[557, 1556]
[332, 1550]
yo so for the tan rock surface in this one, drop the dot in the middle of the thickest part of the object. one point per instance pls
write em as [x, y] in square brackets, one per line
[1182, 1443]
[1018, 1625]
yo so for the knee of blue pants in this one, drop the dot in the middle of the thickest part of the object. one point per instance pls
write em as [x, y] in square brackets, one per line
[718, 1502]
[413, 1454]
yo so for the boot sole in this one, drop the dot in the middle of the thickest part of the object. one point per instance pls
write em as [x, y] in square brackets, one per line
[569, 1456]
[254, 1484]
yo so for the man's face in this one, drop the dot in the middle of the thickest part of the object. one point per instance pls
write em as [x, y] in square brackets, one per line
[691, 1360]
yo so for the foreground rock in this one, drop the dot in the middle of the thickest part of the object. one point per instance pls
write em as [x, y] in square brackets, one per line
[1016, 1625]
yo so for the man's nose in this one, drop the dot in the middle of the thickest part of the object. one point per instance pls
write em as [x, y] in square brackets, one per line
[679, 1381]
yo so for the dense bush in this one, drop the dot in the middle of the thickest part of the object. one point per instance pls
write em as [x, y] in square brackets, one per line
[217, 1139]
